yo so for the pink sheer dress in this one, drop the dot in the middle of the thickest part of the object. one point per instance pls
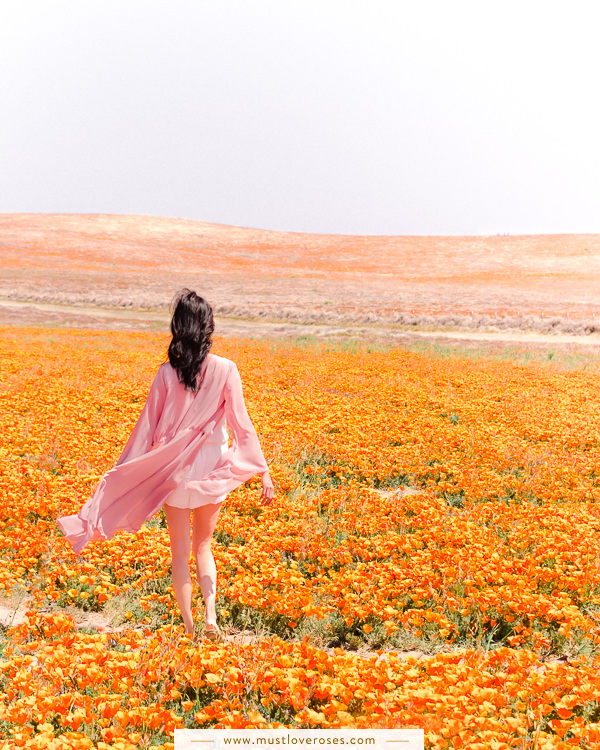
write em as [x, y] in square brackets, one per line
[177, 454]
[206, 460]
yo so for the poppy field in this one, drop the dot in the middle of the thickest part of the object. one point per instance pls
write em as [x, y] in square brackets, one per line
[432, 558]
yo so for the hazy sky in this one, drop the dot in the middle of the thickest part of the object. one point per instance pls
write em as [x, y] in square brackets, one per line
[333, 116]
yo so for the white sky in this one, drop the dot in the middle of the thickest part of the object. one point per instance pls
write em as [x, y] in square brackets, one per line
[334, 116]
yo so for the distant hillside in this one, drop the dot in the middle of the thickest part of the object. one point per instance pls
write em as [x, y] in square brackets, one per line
[538, 282]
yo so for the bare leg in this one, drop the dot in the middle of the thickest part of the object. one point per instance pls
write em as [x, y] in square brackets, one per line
[205, 520]
[178, 521]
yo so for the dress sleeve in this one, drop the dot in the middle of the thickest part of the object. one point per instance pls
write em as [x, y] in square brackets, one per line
[245, 440]
[140, 440]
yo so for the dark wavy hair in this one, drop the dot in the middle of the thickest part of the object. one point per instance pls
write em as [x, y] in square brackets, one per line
[192, 326]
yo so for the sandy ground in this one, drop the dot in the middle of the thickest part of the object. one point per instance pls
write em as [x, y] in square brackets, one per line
[11, 616]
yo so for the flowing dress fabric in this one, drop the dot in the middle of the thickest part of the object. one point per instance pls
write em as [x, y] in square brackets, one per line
[159, 456]
[204, 462]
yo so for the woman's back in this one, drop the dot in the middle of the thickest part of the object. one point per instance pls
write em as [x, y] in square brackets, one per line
[178, 456]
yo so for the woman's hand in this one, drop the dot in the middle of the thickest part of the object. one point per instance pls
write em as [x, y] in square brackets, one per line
[268, 492]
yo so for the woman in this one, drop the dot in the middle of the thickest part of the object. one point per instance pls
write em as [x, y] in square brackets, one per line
[178, 457]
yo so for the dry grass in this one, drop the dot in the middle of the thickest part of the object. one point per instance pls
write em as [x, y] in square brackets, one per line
[541, 283]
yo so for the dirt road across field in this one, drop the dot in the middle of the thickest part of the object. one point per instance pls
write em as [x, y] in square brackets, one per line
[64, 316]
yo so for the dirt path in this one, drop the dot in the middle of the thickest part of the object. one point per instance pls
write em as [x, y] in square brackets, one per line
[11, 616]
[45, 314]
